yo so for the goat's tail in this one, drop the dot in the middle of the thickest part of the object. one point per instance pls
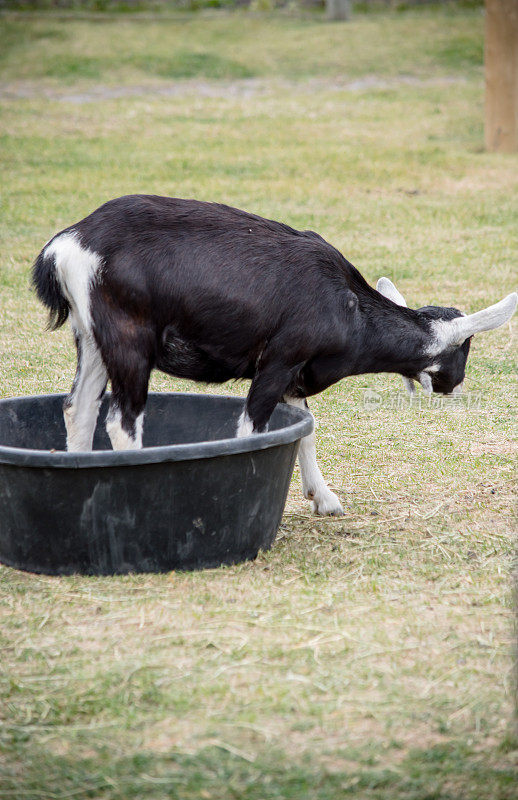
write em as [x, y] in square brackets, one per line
[45, 281]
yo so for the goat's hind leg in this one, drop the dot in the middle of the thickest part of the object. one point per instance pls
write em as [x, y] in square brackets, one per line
[129, 379]
[81, 406]
[125, 424]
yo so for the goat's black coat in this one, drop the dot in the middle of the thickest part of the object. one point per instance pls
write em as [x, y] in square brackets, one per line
[208, 292]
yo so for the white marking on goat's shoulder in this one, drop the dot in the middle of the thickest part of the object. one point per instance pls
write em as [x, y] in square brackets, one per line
[76, 268]
[433, 368]
[245, 425]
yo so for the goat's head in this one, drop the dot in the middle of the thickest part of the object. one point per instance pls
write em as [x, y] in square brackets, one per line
[451, 338]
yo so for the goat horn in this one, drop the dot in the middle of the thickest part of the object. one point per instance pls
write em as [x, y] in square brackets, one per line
[458, 330]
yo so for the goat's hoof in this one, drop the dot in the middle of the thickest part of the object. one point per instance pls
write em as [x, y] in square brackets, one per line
[327, 505]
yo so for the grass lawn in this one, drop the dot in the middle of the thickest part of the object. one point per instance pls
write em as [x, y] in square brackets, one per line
[370, 656]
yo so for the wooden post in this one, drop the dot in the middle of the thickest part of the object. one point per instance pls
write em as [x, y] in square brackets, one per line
[338, 9]
[501, 60]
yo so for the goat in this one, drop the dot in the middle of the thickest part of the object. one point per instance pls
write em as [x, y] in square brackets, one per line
[210, 293]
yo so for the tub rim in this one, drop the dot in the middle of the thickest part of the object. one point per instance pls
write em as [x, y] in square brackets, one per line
[302, 425]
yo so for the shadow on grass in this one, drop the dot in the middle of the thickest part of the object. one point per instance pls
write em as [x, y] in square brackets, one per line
[449, 771]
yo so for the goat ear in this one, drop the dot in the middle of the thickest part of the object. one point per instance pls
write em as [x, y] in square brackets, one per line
[387, 289]
[458, 330]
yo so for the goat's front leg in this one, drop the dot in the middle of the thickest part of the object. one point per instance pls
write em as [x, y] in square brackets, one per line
[266, 390]
[245, 426]
[323, 500]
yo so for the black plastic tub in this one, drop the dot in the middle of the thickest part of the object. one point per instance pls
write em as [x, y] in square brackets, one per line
[195, 496]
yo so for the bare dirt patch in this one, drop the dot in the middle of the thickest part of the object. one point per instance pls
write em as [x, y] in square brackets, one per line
[246, 87]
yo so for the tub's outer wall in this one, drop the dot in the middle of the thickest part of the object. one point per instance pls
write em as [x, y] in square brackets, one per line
[177, 427]
[120, 519]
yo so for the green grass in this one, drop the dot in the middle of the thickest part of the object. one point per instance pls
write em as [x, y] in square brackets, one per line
[124, 49]
[369, 656]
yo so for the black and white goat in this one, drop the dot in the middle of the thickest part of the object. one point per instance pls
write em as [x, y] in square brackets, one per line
[207, 292]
